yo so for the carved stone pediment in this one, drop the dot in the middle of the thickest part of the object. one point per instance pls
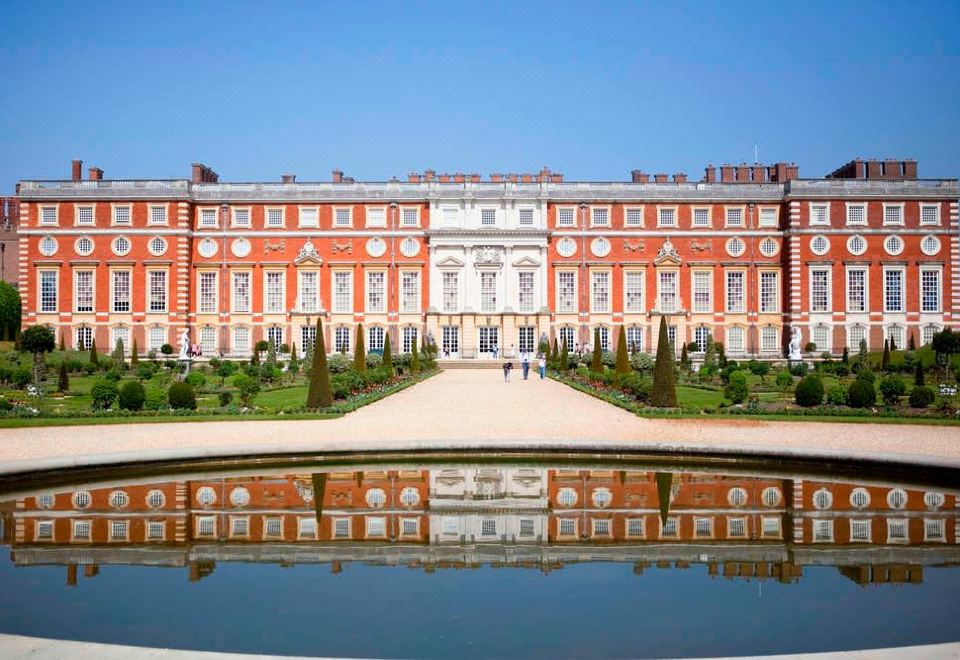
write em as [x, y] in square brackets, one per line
[450, 262]
[308, 254]
[526, 262]
[667, 254]
[488, 256]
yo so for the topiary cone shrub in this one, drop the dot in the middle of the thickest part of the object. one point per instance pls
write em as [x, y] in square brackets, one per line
[94, 358]
[596, 364]
[360, 352]
[564, 360]
[414, 359]
[623, 359]
[63, 382]
[319, 394]
[181, 396]
[664, 393]
[388, 357]
[809, 391]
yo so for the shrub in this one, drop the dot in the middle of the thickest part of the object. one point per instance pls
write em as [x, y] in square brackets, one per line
[891, 389]
[664, 392]
[146, 370]
[867, 376]
[378, 376]
[339, 363]
[861, 394]
[63, 382]
[596, 361]
[247, 387]
[758, 368]
[809, 391]
[921, 396]
[225, 399]
[132, 396]
[736, 389]
[641, 361]
[319, 392]
[103, 394]
[842, 369]
[182, 397]
[388, 356]
[837, 395]
[166, 349]
[21, 378]
[196, 380]
[637, 385]
[5, 405]
[799, 369]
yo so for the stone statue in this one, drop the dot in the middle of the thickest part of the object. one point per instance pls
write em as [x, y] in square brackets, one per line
[185, 345]
[793, 351]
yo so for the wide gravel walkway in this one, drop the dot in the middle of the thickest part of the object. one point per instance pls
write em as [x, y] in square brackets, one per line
[472, 408]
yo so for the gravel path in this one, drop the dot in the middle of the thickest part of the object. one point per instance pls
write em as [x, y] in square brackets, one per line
[468, 408]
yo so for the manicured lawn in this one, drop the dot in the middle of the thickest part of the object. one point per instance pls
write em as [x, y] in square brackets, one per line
[694, 396]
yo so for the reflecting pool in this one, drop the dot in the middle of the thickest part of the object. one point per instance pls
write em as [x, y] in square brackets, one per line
[481, 560]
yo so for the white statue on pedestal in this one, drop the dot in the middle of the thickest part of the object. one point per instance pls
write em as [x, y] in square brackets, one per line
[185, 345]
[793, 351]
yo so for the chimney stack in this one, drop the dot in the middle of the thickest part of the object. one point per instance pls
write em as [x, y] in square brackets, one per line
[337, 176]
[428, 175]
[95, 174]
[756, 173]
[413, 177]
[288, 178]
[909, 169]
[200, 173]
[496, 177]
[660, 178]
[743, 173]
[638, 176]
[679, 177]
[726, 173]
[710, 174]
[77, 170]
[544, 174]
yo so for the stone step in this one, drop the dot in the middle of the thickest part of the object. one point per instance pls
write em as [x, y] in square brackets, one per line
[475, 364]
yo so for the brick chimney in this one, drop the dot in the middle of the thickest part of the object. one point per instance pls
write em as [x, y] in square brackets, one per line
[337, 176]
[680, 177]
[710, 174]
[443, 178]
[874, 169]
[473, 178]
[726, 173]
[200, 173]
[496, 177]
[544, 174]
[660, 178]
[526, 178]
[459, 177]
[743, 173]
[756, 173]
[892, 169]
[910, 169]
[638, 176]
[428, 175]
[95, 174]
[556, 177]
[793, 171]
[288, 178]
[413, 177]
[76, 171]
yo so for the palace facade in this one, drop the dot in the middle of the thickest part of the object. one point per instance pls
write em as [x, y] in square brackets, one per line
[868, 252]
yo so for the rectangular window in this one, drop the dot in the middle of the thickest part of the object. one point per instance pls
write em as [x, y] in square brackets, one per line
[566, 218]
[604, 333]
[450, 340]
[860, 530]
[770, 527]
[667, 218]
[81, 530]
[121, 215]
[84, 215]
[670, 528]
[897, 531]
[411, 217]
[239, 527]
[735, 217]
[48, 215]
[44, 530]
[735, 339]
[208, 292]
[275, 337]
[820, 334]
[635, 527]
[488, 217]
[208, 339]
[525, 217]
[567, 335]
[376, 295]
[934, 530]
[525, 338]
[927, 333]
[525, 292]
[158, 291]
[409, 338]
[703, 527]
[309, 216]
[307, 527]
[769, 292]
[857, 334]
[634, 338]
[83, 291]
[895, 335]
[893, 214]
[241, 217]
[893, 290]
[341, 339]
[929, 290]
[857, 291]
[856, 214]
[488, 292]
[735, 291]
[819, 214]
[376, 217]
[84, 338]
[769, 339]
[121, 291]
[451, 288]
[342, 217]
[566, 292]
[410, 289]
[341, 528]
[342, 292]
[273, 528]
[274, 217]
[118, 530]
[376, 527]
[241, 293]
[241, 339]
[121, 334]
[702, 284]
[208, 217]
[633, 292]
[668, 291]
[566, 527]
[822, 531]
[488, 527]
[701, 217]
[736, 528]
[929, 214]
[601, 217]
[409, 527]
[820, 290]
[275, 290]
[601, 527]
[309, 290]
[527, 527]
[633, 217]
[157, 338]
[600, 292]
[768, 217]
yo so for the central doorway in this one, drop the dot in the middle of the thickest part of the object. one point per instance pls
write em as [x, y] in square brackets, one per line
[489, 340]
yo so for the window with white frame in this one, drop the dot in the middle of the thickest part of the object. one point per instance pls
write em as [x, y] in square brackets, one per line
[930, 289]
[735, 217]
[633, 217]
[856, 290]
[819, 214]
[856, 214]
[566, 337]
[633, 291]
[341, 528]
[525, 301]
[893, 290]
[241, 339]
[208, 217]
[929, 214]
[208, 292]
[701, 337]
[48, 215]
[527, 527]
[81, 530]
[119, 530]
[897, 530]
[44, 530]
[604, 333]
[309, 290]
[308, 338]
[157, 292]
[275, 337]
[667, 280]
[241, 292]
[121, 215]
[409, 527]
[409, 338]
[635, 527]
[735, 339]
[376, 217]
[488, 292]
[241, 217]
[275, 217]
[634, 338]
[600, 291]
[702, 285]
[410, 291]
[342, 291]
[600, 217]
[769, 291]
[934, 529]
[768, 217]
[121, 291]
[823, 531]
[84, 215]
[566, 291]
[156, 338]
[48, 291]
[239, 527]
[856, 334]
[895, 337]
[601, 527]
[565, 217]
[451, 291]
[376, 292]
[736, 527]
[525, 217]
[860, 531]
[309, 216]
[208, 339]
[769, 339]
[927, 333]
[819, 290]
[670, 528]
[735, 298]
[410, 217]
[450, 340]
[84, 337]
[121, 333]
[820, 335]
[341, 339]
[273, 527]
[342, 217]
[376, 527]
[525, 338]
[275, 290]
[375, 338]
[701, 217]
[488, 217]
[893, 214]
[83, 291]
[667, 217]
[770, 527]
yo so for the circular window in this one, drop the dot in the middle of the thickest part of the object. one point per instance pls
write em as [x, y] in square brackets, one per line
[206, 495]
[600, 247]
[897, 498]
[856, 245]
[601, 497]
[157, 246]
[207, 248]
[48, 246]
[769, 247]
[566, 497]
[45, 501]
[376, 247]
[239, 496]
[822, 499]
[819, 245]
[933, 500]
[82, 499]
[860, 498]
[566, 247]
[119, 499]
[737, 496]
[770, 496]
[893, 245]
[930, 245]
[376, 497]
[409, 496]
[240, 247]
[156, 499]
[84, 246]
[735, 247]
[121, 246]
[410, 247]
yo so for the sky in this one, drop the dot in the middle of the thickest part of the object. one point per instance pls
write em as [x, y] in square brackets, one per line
[589, 89]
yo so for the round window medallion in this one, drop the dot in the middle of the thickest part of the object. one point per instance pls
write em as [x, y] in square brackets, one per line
[735, 247]
[860, 498]
[206, 495]
[770, 496]
[566, 497]
[84, 246]
[893, 245]
[410, 247]
[897, 498]
[48, 246]
[410, 496]
[240, 496]
[240, 247]
[769, 247]
[207, 248]
[376, 497]
[157, 246]
[566, 247]
[933, 499]
[156, 499]
[45, 501]
[819, 245]
[82, 499]
[930, 245]
[737, 496]
[822, 499]
[602, 497]
[376, 247]
[121, 246]
[856, 245]
[600, 247]
[119, 499]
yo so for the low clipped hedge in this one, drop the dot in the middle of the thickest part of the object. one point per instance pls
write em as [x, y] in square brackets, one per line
[809, 391]
[922, 396]
[861, 394]
[182, 397]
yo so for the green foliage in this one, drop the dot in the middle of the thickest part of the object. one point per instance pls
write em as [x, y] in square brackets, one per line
[37, 339]
[11, 310]
[415, 359]
[319, 394]
[103, 394]
[837, 395]
[388, 356]
[891, 389]
[809, 391]
[596, 362]
[21, 378]
[758, 368]
[63, 381]
[921, 396]
[710, 356]
[637, 385]
[885, 360]
[685, 359]
[225, 369]
[146, 370]
[664, 393]
[294, 365]
[360, 351]
[641, 361]
[166, 349]
[196, 380]
[736, 389]
[63, 344]
[428, 355]
[861, 394]
[181, 396]
[799, 369]
[623, 359]
[554, 356]
[247, 388]
[118, 359]
[918, 378]
[911, 343]
[225, 399]
[132, 396]
[255, 358]
[564, 359]
[721, 355]
[134, 355]
[846, 355]
[867, 376]
[261, 346]
[94, 356]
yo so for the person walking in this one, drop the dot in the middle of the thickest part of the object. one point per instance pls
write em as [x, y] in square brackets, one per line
[525, 363]
[542, 365]
[507, 368]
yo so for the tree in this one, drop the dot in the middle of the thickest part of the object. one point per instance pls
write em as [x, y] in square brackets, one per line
[846, 355]
[134, 355]
[784, 381]
[118, 361]
[911, 343]
[596, 363]
[623, 360]
[37, 339]
[226, 369]
[132, 396]
[11, 311]
[103, 394]
[414, 359]
[945, 343]
[809, 391]
[918, 379]
[863, 354]
[360, 352]
[247, 388]
[319, 394]
[893, 345]
[891, 389]
[861, 394]
[664, 394]
[710, 355]
[736, 389]
[885, 360]
[94, 358]
[63, 382]
[294, 365]
[555, 354]
[255, 357]
[63, 344]
[181, 396]
[685, 359]
[758, 368]
[388, 356]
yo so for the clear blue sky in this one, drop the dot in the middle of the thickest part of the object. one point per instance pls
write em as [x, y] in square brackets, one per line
[380, 89]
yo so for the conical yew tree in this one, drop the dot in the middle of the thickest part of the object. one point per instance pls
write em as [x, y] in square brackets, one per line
[319, 394]
[664, 392]
[414, 359]
[388, 356]
[596, 363]
[564, 362]
[623, 359]
[360, 352]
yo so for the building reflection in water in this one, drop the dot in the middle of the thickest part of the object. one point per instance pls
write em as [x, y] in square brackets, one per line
[745, 527]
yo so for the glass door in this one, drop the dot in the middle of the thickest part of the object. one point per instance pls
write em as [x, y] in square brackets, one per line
[450, 343]
[489, 341]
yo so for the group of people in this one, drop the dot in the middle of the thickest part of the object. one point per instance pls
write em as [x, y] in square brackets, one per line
[525, 366]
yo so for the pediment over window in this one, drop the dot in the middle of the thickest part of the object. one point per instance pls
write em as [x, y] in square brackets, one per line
[667, 254]
[450, 262]
[308, 255]
[526, 262]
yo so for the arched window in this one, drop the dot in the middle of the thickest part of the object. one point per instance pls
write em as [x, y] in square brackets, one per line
[341, 339]
[567, 335]
[701, 335]
[84, 338]
[634, 339]
[156, 338]
[735, 342]
[604, 332]
[375, 335]
[121, 333]
[241, 339]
